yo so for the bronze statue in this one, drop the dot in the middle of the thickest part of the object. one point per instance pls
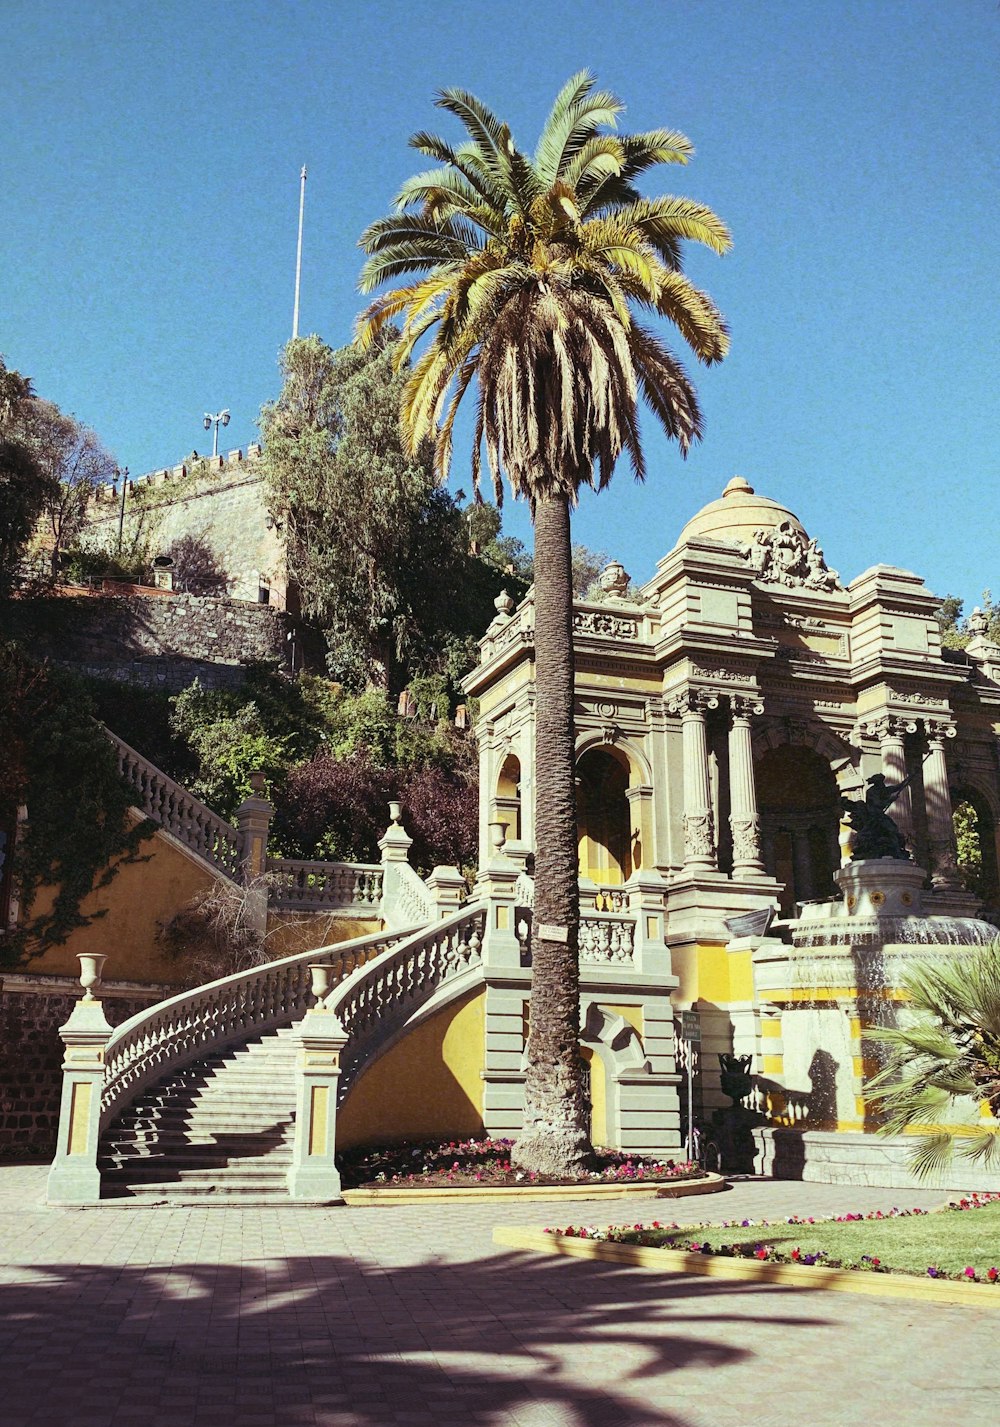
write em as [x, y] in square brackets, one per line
[877, 834]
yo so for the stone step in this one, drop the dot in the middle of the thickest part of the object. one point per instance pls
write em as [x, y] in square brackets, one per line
[167, 1166]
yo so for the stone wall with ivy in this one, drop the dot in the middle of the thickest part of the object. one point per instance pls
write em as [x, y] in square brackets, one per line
[164, 641]
[31, 1011]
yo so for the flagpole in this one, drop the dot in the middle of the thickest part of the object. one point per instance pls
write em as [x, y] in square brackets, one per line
[298, 254]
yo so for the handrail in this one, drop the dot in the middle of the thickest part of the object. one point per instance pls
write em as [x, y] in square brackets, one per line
[376, 1000]
[179, 811]
[316, 886]
[174, 1033]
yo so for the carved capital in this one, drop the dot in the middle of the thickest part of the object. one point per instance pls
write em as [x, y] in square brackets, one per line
[937, 730]
[699, 835]
[693, 702]
[745, 706]
[746, 839]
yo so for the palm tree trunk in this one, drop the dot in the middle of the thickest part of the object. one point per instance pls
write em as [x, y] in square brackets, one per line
[554, 1140]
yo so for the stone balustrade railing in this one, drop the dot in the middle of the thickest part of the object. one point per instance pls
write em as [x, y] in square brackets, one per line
[377, 1000]
[414, 903]
[171, 1035]
[606, 938]
[178, 811]
[298, 884]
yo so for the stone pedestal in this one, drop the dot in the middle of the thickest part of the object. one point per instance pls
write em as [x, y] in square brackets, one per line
[313, 1174]
[881, 887]
[74, 1177]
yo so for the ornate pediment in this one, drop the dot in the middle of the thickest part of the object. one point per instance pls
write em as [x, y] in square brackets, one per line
[786, 556]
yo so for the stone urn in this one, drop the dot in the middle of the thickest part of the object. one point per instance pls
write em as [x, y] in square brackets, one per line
[91, 966]
[320, 973]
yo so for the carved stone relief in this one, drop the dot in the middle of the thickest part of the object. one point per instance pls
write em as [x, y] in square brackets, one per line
[786, 556]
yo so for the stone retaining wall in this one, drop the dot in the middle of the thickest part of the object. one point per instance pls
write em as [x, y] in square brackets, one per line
[163, 641]
[32, 1008]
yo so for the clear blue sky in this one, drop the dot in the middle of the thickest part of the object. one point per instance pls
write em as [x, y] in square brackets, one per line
[149, 180]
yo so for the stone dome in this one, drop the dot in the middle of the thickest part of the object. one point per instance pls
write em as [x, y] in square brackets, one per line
[737, 513]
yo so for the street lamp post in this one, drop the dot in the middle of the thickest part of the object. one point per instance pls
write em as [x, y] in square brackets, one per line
[220, 419]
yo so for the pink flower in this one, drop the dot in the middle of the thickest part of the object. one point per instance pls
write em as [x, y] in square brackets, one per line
[969, 1272]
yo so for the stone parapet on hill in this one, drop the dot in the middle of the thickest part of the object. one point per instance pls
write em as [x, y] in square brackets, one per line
[157, 641]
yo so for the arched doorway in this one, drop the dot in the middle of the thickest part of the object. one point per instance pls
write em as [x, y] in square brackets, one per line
[602, 812]
[976, 842]
[799, 807]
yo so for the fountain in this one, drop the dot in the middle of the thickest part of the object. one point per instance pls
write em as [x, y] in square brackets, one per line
[830, 975]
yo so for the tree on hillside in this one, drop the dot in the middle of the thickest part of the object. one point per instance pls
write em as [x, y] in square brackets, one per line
[379, 552]
[956, 630]
[24, 485]
[74, 462]
[526, 275]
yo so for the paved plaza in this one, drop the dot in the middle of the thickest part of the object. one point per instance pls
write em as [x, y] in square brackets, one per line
[211, 1316]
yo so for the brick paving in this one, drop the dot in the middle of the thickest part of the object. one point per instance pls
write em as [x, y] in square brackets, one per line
[410, 1317]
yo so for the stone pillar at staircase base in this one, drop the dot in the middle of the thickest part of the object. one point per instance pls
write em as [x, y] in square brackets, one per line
[313, 1174]
[74, 1177]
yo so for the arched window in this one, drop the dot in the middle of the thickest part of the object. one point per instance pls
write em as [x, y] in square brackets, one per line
[603, 822]
[508, 797]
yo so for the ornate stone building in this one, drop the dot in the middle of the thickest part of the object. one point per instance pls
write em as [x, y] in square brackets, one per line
[721, 715]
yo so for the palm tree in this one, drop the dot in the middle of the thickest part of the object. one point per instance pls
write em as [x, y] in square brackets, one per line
[947, 1053]
[526, 274]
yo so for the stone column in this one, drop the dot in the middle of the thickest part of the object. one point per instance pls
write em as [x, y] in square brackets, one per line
[313, 1174]
[892, 746]
[253, 819]
[699, 831]
[743, 818]
[802, 866]
[937, 795]
[74, 1177]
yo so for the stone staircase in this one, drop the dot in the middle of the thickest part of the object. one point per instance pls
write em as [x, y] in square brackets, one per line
[221, 1127]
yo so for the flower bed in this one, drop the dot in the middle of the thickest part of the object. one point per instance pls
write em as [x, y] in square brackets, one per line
[936, 1244]
[486, 1163]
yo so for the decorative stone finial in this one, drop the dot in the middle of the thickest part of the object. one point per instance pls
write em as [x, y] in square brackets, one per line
[614, 580]
[978, 621]
[503, 604]
[738, 486]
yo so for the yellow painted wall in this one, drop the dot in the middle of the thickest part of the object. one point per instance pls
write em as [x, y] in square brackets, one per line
[142, 898]
[427, 1085]
[708, 972]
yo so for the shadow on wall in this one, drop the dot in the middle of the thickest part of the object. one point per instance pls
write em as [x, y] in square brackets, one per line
[354, 1341]
[196, 569]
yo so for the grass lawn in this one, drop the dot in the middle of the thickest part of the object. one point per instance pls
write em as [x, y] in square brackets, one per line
[950, 1240]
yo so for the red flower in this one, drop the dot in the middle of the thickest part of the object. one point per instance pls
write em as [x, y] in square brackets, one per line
[993, 1275]
[761, 1253]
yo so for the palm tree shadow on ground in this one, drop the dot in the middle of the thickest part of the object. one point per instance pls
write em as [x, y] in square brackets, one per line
[332, 1341]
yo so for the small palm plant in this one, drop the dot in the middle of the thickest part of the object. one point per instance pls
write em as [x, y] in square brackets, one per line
[947, 1054]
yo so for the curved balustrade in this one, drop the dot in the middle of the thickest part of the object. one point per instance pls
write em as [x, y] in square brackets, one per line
[319, 886]
[178, 811]
[376, 1001]
[172, 1034]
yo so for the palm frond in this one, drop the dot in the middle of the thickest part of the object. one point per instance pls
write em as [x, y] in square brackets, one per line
[571, 123]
